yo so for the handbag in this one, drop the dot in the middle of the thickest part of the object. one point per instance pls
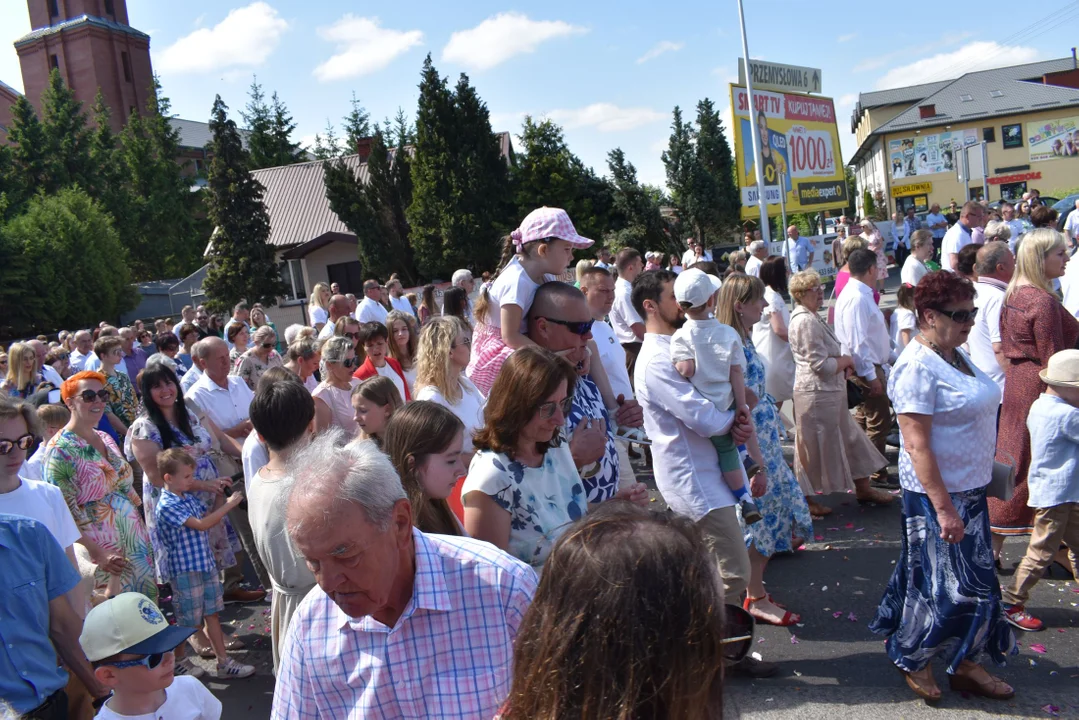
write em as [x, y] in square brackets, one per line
[855, 396]
[1002, 481]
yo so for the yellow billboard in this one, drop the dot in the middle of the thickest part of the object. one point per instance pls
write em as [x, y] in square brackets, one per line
[799, 149]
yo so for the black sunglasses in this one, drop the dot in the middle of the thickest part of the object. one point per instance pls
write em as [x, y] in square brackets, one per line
[575, 327]
[267, 346]
[350, 363]
[959, 316]
[89, 395]
[23, 443]
[546, 410]
[352, 336]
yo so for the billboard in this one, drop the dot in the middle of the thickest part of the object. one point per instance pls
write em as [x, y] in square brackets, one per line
[1051, 139]
[928, 154]
[799, 147]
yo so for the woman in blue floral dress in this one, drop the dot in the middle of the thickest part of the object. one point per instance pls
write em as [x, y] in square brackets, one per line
[785, 514]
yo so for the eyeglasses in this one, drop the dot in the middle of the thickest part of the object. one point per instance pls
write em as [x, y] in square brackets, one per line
[350, 363]
[90, 396]
[467, 342]
[267, 346]
[352, 336]
[575, 327]
[959, 316]
[23, 443]
[147, 661]
[546, 410]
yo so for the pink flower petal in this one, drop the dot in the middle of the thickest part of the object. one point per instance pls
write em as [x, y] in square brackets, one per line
[860, 530]
[1038, 648]
[760, 640]
[852, 617]
[838, 614]
[818, 538]
[849, 525]
[794, 639]
[1051, 709]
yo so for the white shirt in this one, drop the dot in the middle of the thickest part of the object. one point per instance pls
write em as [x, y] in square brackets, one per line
[989, 299]
[798, 252]
[957, 238]
[370, 311]
[513, 286]
[33, 467]
[913, 271]
[689, 257]
[964, 411]
[93, 362]
[680, 421]
[78, 361]
[753, 266]
[613, 358]
[469, 409]
[226, 407]
[715, 348]
[388, 372]
[1017, 228]
[1071, 224]
[319, 316]
[190, 377]
[45, 503]
[860, 328]
[49, 373]
[1069, 287]
[328, 329]
[931, 220]
[185, 699]
[623, 315]
[902, 319]
[254, 457]
[402, 304]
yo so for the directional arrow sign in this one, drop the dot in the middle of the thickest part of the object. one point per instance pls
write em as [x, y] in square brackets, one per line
[781, 78]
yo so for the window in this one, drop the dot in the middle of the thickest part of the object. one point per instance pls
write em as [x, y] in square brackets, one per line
[996, 94]
[1013, 191]
[989, 134]
[126, 62]
[292, 276]
[54, 10]
[110, 7]
[54, 62]
[966, 98]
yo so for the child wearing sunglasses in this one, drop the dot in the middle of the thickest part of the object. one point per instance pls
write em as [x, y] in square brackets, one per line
[130, 645]
[710, 355]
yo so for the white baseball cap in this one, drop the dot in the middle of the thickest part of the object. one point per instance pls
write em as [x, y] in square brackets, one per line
[695, 286]
[129, 623]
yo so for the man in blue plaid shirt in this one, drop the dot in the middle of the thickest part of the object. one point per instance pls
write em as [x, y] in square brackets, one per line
[196, 590]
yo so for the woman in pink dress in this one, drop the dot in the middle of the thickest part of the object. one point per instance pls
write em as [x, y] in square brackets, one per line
[875, 242]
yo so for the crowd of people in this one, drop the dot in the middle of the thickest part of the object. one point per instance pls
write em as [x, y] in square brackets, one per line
[452, 482]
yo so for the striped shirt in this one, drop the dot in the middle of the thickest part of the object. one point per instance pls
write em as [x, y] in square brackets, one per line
[449, 656]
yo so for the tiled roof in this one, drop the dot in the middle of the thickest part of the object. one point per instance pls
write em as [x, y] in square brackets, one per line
[78, 22]
[195, 134]
[8, 89]
[896, 96]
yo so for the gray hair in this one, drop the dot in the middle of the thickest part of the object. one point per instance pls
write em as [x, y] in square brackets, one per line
[756, 246]
[334, 350]
[161, 359]
[997, 230]
[991, 255]
[460, 276]
[201, 349]
[327, 475]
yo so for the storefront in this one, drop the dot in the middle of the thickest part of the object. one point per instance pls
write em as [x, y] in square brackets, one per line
[1013, 186]
[914, 195]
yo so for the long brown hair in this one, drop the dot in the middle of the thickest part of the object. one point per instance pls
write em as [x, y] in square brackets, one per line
[737, 288]
[414, 433]
[626, 624]
[527, 378]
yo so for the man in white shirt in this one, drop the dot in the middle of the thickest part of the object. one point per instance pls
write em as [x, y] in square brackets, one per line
[604, 259]
[187, 315]
[994, 267]
[959, 235]
[799, 250]
[680, 421]
[1007, 213]
[937, 224]
[370, 309]
[628, 325]
[1071, 226]
[1069, 286]
[463, 279]
[863, 333]
[48, 372]
[398, 301]
[758, 251]
[84, 346]
[338, 309]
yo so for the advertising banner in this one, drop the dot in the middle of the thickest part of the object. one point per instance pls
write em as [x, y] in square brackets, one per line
[1051, 139]
[928, 154]
[800, 149]
[823, 262]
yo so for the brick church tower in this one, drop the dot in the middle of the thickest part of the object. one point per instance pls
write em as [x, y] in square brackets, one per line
[92, 45]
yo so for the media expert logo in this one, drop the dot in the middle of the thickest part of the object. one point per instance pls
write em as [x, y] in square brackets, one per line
[819, 193]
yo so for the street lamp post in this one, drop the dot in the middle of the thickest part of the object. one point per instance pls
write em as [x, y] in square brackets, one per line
[758, 159]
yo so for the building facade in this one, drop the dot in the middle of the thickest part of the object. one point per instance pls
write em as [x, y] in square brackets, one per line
[912, 141]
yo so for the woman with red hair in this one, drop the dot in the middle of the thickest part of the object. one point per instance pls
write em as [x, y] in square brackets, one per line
[96, 483]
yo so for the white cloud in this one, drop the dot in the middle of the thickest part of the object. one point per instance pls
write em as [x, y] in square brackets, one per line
[879, 60]
[245, 38]
[847, 38]
[974, 56]
[664, 47]
[502, 36]
[362, 47]
[607, 117]
[847, 100]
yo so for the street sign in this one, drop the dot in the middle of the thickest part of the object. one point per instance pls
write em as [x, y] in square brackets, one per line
[780, 78]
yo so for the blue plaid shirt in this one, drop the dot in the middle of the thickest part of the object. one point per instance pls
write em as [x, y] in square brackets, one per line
[449, 656]
[188, 549]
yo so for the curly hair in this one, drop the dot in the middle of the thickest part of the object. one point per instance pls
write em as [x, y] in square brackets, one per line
[939, 289]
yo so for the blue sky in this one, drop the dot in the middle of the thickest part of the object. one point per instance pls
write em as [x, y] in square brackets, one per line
[609, 72]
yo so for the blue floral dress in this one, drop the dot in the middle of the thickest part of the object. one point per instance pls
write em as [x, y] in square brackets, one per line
[783, 506]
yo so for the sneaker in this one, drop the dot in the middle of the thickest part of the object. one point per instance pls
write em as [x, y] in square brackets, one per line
[750, 513]
[1023, 620]
[233, 670]
[186, 668]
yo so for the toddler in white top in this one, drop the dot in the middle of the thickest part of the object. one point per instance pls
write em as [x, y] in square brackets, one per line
[711, 356]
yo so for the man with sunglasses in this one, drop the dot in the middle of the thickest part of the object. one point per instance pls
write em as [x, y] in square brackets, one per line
[131, 646]
[559, 320]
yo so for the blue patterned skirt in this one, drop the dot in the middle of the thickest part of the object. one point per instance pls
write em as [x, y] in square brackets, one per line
[944, 599]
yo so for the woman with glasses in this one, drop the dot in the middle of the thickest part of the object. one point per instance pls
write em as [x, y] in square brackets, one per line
[23, 376]
[95, 480]
[302, 360]
[403, 340]
[58, 359]
[523, 489]
[259, 358]
[943, 599]
[123, 406]
[445, 349]
[333, 396]
[831, 453]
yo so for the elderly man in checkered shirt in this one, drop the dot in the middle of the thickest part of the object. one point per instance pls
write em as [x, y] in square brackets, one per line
[402, 624]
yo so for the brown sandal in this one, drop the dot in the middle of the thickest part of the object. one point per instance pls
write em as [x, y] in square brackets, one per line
[922, 692]
[966, 683]
[818, 510]
[873, 495]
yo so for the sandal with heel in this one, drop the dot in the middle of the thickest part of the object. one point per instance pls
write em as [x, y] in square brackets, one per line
[789, 618]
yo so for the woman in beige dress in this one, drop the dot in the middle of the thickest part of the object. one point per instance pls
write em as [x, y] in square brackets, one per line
[832, 454]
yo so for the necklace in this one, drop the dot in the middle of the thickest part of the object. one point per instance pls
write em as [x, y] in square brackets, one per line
[957, 360]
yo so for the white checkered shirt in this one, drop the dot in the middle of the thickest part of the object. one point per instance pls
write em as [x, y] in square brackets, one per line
[188, 549]
[449, 656]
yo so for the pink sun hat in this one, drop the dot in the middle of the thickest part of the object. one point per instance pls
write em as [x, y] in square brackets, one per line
[548, 222]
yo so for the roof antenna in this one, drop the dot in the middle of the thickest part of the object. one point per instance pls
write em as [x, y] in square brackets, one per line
[1075, 64]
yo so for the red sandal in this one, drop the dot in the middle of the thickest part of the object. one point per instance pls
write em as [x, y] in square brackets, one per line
[789, 618]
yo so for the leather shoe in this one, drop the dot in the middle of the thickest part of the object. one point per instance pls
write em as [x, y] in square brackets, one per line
[244, 596]
[751, 667]
[884, 482]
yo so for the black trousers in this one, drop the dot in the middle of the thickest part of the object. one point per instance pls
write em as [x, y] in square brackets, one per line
[54, 708]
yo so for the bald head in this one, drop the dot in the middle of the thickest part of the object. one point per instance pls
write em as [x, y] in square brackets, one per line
[84, 341]
[339, 307]
[40, 349]
[553, 298]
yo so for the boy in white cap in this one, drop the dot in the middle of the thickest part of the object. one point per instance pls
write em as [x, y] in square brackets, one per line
[130, 644]
[1053, 484]
[710, 355]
